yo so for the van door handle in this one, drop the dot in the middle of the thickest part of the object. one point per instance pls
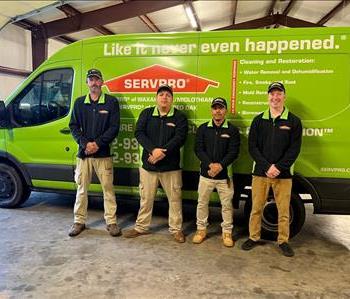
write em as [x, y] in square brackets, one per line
[65, 131]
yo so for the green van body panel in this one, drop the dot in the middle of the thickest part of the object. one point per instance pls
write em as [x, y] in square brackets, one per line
[313, 63]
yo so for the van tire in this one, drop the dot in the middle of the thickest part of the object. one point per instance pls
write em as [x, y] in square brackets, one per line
[269, 226]
[13, 191]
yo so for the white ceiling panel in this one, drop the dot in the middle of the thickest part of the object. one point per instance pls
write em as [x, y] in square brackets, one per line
[85, 6]
[312, 11]
[171, 19]
[341, 19]
[84, 34]
[10, 9]
[210, 20]
[247, 9]
[211, 14]
[133, 25]
[52, 15]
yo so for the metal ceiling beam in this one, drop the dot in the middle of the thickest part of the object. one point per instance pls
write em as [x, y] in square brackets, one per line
[149, 23]
[190, 5]
[289, 7]
[293, 22]
[272, 6]
[333, 12]
[31, 26]
[39, 50]
[14, 72]
[234, 11]
[252, 24]
[105, 15]
[70, 11]
[270, 20]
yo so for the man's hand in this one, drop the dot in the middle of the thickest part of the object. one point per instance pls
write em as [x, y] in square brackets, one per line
[91, 148]
[272, 172]
[214, 169]
[156, 155]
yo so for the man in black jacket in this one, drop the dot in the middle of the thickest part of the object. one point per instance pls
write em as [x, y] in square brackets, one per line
[274, 144]
[161, 131]
[217, 146]
[94, 124]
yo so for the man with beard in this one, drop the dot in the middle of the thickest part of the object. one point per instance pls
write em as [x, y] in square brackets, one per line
[94, 125]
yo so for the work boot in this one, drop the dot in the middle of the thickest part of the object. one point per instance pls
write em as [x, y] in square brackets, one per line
[199, 236]
[114, 230]
[249, 244]
[179, 237]
[133, 233]
[76, 229]
[286, 249]
[227, 239]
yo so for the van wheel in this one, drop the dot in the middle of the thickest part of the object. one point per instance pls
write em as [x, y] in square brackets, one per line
[13, 192]
[269, 221]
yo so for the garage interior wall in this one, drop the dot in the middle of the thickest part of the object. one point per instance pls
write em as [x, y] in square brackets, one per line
[16, 52]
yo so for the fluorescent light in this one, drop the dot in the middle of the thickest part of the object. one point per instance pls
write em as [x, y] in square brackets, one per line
[191, 17]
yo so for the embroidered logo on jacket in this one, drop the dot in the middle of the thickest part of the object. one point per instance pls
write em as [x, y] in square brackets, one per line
[285, 128]
[171, 124]
[225, 135]
[103, 112]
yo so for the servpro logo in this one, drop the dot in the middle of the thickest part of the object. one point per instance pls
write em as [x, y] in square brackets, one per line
[147, 80]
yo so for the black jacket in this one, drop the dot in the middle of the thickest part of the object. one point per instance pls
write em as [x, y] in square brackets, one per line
[168, 132]
[217, 145]
[275, 142]
[95, 121]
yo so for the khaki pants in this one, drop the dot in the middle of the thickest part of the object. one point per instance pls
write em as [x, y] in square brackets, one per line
[171, 182]
[225, 191]
[282, 192]
[83, 174]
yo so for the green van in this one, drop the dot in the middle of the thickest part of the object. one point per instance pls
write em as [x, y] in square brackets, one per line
[37, 151]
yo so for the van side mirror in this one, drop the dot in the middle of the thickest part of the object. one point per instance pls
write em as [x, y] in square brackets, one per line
[4, 116]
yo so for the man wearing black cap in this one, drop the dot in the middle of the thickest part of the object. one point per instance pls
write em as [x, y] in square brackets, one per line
[161, 131]
[94, 125]
[217, 146]
[274, 144]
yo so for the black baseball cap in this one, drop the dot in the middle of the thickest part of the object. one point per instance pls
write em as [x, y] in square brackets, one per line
[219, 101]
[94, 73]
[165, 87]
[276, 85]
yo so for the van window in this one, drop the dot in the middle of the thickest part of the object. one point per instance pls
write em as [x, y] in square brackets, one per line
[45, 99]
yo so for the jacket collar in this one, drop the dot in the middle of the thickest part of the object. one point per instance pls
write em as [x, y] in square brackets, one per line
[101, 99]
[170, 113]
[284, 114]
[211, 124]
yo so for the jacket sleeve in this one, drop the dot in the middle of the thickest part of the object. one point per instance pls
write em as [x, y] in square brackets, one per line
[253, 146]
[199, 148]
[114, 122]
[293, 151]
[233, 148]
[75, 127]
[180, 136]
[141, 132]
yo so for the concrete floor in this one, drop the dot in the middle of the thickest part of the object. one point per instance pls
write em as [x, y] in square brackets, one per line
[39, 260]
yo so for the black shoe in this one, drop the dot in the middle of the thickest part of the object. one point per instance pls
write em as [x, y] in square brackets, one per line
[286, 249]
[249, 244]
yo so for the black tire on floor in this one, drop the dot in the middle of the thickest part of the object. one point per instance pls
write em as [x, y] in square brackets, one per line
[13, 191]
[269, 223]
